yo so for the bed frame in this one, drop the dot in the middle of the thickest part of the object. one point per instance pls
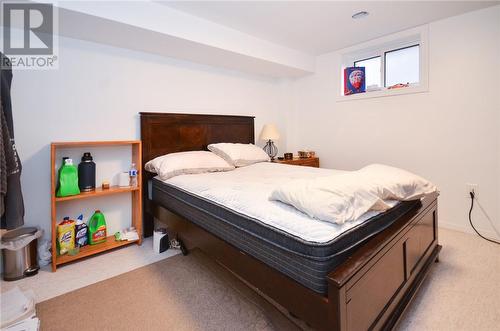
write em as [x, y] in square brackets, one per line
[370, 290]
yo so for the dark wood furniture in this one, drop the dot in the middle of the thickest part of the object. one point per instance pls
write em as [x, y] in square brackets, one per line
[370, 290]
[301, 161]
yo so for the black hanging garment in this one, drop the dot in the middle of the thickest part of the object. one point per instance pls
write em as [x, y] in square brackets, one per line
[11, 197]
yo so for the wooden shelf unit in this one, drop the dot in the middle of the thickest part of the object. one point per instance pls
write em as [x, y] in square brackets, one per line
[98, 192]
[136, 192]
[90, 250]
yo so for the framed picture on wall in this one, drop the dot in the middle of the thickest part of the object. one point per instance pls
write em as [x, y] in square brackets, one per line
[354, 80]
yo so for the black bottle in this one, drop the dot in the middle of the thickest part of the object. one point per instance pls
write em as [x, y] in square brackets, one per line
[86, 173]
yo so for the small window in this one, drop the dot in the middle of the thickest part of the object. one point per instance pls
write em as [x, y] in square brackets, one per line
[402, 66]
[372, 71]
[395, 64]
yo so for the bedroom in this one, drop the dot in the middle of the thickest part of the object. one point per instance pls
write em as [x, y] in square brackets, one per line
[279, 63]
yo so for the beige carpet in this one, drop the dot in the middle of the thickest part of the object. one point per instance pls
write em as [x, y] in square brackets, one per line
[179, 293]
[462, 292]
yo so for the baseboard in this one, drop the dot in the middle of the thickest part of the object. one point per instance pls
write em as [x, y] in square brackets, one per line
[467, 229]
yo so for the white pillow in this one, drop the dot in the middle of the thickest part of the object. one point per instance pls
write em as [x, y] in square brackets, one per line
[239, 155]
[195, 162]
[337, 199]
[391, 183]
[345, 197]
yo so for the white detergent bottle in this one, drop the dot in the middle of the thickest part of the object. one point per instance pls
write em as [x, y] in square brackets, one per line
[133, 175]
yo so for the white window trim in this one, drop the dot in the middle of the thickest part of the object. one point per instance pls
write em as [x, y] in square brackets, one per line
[376, 47]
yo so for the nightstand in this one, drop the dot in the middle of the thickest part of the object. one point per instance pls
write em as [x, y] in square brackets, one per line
[306, 162]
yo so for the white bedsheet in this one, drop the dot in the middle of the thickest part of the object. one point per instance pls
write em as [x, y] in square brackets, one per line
[246, 190]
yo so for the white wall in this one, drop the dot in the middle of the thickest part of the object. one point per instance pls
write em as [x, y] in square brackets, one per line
[97, 93]
[449, 135]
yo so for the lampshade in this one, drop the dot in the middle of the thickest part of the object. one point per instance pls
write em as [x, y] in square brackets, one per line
[269, 132]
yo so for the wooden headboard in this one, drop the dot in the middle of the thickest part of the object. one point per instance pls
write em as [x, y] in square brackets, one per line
[163, 133]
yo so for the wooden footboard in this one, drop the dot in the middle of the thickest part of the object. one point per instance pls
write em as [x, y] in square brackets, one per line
[373, 287]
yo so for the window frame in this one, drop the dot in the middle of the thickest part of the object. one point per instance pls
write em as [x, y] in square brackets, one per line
[379, 47]
[366, 59]
[382, 63]
[384, 67]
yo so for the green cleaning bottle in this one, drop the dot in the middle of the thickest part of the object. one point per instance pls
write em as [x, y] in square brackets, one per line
[97, 228]
[68, 179]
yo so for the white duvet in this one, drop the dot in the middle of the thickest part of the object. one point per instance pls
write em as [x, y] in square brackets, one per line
[344, 197]
[247, 190]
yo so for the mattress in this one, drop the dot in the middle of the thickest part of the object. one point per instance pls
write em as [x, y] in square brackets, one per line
[235, 207]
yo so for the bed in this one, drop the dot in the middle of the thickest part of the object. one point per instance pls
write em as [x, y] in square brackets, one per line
[355, 278]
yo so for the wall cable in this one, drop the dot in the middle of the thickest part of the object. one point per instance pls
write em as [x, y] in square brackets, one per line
[472, 198]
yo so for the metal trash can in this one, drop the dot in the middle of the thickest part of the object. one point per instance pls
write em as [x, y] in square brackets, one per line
[22, 262]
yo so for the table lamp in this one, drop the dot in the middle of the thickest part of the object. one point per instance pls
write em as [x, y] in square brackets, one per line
[270, 133]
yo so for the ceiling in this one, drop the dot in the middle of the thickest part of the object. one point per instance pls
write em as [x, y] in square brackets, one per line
[318, 27]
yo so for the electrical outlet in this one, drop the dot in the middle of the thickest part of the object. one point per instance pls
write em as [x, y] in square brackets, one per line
[471, 187]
